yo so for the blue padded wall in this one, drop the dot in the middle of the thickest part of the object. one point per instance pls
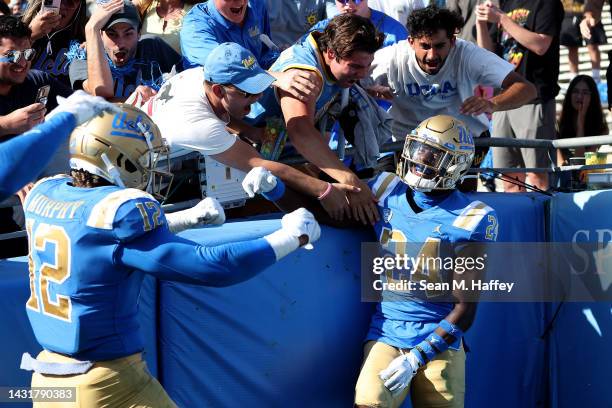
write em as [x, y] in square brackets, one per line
[292, 336]
[289, 337]
[580, 345]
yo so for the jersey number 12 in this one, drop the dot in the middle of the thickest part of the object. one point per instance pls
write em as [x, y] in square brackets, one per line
[44, 237]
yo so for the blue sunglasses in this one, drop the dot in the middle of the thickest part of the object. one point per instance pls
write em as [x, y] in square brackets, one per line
[14, 56]
[345, 2]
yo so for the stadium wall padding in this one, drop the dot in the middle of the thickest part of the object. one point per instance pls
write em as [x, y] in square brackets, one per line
[580, 343]
[292, 336]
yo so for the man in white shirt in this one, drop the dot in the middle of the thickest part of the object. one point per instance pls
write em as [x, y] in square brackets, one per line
[435, 73]
[194, 108]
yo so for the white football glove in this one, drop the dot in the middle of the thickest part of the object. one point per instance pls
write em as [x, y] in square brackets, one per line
[257, 181]
[206, 212]
[83, 106]
[400, 371]
[295, 224]
[301, 222]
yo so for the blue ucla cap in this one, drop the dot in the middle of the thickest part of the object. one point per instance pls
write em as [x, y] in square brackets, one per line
[230, 63]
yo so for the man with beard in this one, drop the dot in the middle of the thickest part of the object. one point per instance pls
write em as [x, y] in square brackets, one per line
[119, 62]
[433, 73]
[20, 110]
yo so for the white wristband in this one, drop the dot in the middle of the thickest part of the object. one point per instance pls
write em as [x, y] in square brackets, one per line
[179, 221]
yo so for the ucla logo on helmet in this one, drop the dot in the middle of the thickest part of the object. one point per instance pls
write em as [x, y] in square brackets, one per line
[126, 127]
[465, 139]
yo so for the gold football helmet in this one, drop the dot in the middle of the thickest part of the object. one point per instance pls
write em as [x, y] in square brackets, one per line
[123, 148]
[437, 154]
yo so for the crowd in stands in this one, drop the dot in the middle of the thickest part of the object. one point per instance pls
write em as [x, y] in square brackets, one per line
[323, 60]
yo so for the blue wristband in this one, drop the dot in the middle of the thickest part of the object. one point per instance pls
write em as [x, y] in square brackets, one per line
[426, 349]
[277, 192]
[437, 342]
[451, 329]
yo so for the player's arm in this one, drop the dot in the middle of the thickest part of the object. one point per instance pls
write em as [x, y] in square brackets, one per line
[299, 119]
[463, 314]
[170, 257]
[23, 157]
[400, 371]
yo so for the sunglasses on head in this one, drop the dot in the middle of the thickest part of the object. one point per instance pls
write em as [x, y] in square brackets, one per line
[14, 56]
[346, 2]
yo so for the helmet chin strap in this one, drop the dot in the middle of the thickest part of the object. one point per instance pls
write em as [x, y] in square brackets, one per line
[148, 136]
[112, 171]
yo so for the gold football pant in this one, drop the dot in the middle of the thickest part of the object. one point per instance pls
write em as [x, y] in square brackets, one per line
[124, 382]
[439, 384]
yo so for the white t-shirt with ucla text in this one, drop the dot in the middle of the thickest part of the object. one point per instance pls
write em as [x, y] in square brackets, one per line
[185, 118]
[418, 96]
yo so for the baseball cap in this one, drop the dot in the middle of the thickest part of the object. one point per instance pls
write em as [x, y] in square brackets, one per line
[129, 15]
[230, 63]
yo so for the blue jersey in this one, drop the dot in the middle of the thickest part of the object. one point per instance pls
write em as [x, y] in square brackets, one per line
[204, 28]
[304, 55]
[89, 248]
[405, 318]
[393, 30]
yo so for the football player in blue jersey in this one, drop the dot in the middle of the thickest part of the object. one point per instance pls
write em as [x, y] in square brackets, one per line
[93, 235]
[414, 344]
[23, 157]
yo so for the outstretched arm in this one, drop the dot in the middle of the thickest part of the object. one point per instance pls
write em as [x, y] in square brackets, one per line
[299, 118]
[261, 181]
[244, 157]
[23, 157]
[170, 257]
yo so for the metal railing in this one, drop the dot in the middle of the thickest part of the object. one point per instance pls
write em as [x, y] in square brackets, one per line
[398, 146]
